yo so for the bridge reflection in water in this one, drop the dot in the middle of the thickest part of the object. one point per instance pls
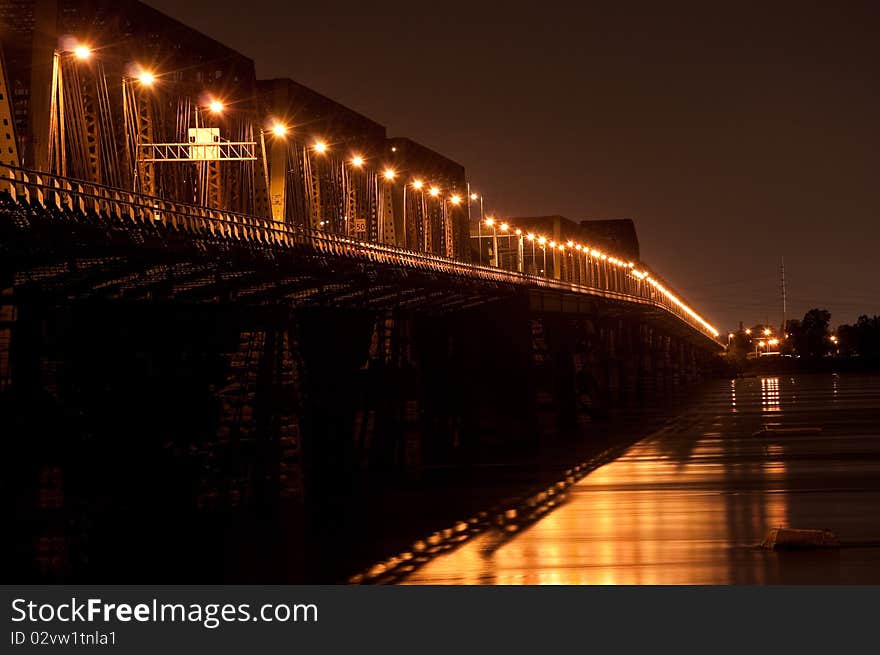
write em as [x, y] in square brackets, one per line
[689, 504]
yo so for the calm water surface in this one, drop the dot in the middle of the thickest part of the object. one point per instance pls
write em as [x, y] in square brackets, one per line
[689, 504]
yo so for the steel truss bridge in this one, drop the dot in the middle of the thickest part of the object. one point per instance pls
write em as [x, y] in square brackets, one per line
[80, 239]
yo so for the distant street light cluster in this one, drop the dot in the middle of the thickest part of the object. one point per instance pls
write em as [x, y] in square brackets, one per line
[588, 251]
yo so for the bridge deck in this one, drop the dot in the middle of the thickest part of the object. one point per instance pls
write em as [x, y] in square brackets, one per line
[78, 237]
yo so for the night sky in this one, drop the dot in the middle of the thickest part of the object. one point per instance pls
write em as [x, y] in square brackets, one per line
[732, 134]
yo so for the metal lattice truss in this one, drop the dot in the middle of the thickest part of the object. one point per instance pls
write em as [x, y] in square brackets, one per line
[29, 199]
[220, 151]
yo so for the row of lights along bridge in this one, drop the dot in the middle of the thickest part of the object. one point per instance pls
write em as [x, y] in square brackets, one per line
[148, 78]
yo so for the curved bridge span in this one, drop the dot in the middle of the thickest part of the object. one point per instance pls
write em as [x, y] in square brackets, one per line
[83, 239]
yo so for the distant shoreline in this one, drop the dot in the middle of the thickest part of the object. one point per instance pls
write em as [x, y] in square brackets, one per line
[803, 365]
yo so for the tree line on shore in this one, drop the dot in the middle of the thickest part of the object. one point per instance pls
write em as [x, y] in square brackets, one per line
[810, 338]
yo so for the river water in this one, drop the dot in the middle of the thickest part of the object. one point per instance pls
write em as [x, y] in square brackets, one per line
[690, 503]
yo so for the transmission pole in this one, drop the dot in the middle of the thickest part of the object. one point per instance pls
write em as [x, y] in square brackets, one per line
[782, 274]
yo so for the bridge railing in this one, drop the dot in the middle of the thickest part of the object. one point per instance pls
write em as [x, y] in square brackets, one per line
[79, 201]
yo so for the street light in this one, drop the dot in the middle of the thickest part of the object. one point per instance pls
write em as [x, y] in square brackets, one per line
[146, 78]
[519, 250]
[418, 185]
[531, 237]
[216, 107]
[388, 175]
[474, 198]
[349, 221]
[505, 227]
[82, 52]
[280, 131]
[491, 223]
[541, 242]
[320, 147]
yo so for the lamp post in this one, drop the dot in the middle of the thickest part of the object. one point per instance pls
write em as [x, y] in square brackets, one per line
[320, 147]
[418, 185]
[57, 159]
[455, 200]
[145, 79]
[388, 175]
[434, 192]
[570, 246]
[541, 242]
[561, 248]
[506, 229]
[519, 250]
[531, 238]
[491, 223]
[279, 130]
[350, 218]
[473, 197]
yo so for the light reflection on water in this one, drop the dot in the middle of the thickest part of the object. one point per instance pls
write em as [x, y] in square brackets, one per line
[689, 504]
[770, 394]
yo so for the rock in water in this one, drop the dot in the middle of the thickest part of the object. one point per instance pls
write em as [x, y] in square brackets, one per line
[794, 539]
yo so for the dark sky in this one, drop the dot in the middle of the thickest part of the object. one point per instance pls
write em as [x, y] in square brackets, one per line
[732, 134]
